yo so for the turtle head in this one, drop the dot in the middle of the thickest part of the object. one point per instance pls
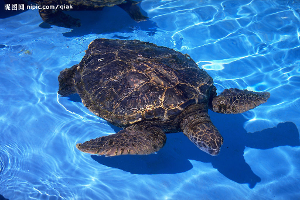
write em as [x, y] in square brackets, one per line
[208, 147]
[200, 130]
[206, 137]
[66, 81]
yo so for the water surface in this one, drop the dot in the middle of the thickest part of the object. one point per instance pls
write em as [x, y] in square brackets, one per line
[252, 45]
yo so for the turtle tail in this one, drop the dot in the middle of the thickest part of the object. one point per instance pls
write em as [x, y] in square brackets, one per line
[66, 81]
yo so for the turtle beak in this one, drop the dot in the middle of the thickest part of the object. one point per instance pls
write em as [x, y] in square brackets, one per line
[78, 146]
[213, 152]
[85, 148]
[207, 149]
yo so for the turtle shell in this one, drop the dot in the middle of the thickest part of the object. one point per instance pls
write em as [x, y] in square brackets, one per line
[127, 81]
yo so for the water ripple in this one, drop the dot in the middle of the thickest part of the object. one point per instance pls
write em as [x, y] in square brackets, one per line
[243, 44]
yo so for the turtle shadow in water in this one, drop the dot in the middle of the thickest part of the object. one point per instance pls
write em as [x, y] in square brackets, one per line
[175, 155]
[2, 197]
[108, 20]
[75, 98]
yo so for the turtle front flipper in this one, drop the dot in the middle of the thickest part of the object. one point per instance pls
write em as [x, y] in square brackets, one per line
[201, 131]
[133, 10]
[135, 139]
[58, 18]
[233, 101]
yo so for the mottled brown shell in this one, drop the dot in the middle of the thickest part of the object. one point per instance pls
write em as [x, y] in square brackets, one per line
[129, 81]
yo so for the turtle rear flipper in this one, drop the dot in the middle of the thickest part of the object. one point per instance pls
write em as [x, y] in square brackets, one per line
[133, 10]
[134, 139]
[233, 101]
[58, 18]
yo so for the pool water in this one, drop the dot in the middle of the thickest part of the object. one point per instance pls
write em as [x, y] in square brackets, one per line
[245, 44]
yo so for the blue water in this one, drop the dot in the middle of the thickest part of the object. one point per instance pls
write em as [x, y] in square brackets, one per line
[243, 44]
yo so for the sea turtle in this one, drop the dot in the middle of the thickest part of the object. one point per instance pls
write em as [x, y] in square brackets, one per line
[149, 90]
[51, 11]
